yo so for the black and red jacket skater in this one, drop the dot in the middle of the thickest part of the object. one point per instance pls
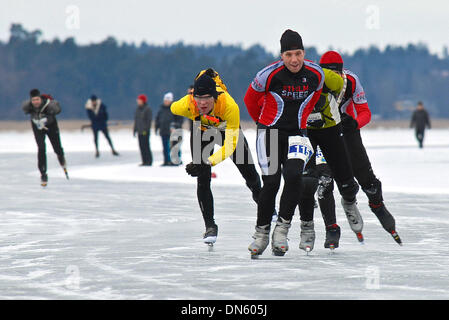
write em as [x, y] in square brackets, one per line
[278, 98]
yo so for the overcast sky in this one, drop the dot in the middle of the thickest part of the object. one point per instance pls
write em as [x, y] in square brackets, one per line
[342, 24]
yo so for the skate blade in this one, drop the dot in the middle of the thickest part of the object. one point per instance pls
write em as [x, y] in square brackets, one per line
[308, 250]
[396, 238]
[332, 248]
[210, 240]
[254, 253]
[279, 252]
[359, 236]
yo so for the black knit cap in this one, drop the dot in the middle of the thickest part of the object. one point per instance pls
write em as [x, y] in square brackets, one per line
[205, 85]
[35, 93]
[291, 40]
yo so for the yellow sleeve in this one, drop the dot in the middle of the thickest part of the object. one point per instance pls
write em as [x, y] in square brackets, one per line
[232, 118]
[333, 81]
[182, 107]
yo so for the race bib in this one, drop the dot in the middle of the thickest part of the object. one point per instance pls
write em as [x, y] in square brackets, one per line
[299, 148]
[319, 157]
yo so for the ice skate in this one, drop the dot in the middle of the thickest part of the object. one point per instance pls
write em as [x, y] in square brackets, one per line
[354, 217]
[332, 237]
[210, 236]
[261, 240]
[386, 220]
[307, 235]
[279, 242]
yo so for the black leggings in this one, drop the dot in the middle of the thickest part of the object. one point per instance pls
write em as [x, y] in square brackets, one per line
[106, 134]
[273, 167]
[53, 135]
[243, 162]
[334, 150]
[363, 172]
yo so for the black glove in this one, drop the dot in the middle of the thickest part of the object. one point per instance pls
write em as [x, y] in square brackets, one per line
[196, 169]
[348, 123]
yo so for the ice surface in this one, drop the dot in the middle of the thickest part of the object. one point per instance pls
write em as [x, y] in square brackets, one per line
[119, 231]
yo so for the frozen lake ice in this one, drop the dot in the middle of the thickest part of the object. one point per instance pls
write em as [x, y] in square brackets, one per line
[119, 231]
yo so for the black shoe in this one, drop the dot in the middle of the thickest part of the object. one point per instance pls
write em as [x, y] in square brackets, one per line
[115, 153]
[332, 236]
[97, 154]
[210, 236]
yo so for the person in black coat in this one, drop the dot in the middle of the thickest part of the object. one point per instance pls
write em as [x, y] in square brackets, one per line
[142, 126]
[96, 111]
[165, 124]
[420, 120]
[43, 110]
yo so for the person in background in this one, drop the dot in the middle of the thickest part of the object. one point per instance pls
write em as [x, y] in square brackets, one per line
[43, 110]
[142, 126]
[98, 115]
[420, 120]
[176, 139]
[164, 126]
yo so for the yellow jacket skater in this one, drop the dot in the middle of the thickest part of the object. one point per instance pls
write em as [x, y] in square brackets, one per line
[216, 119]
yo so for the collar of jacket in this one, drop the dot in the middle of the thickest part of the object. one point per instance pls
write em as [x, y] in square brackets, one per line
[90, 106]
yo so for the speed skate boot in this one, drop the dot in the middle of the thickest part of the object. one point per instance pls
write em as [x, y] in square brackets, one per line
[354, 218]
[279, 241]
[386, 220]
[307, 236]
[332, 236]
[261, 240]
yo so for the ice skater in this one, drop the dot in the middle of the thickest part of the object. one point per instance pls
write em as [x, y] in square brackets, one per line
[43, 110]
[279, 100]
[98, 115]
[216, 119]
[355, 114]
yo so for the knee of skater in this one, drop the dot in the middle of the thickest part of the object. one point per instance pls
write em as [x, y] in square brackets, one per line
[325, 186]
[373, 191]
[348, 190]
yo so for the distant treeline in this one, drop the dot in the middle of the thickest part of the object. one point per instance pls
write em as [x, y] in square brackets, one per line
[394, 79]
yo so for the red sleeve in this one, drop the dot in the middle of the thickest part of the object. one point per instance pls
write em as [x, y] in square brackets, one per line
[310, 104]
[252, 102]
[363, 113]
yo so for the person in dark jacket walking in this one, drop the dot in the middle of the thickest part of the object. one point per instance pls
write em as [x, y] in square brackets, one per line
[43, 110]
[142, 125]
[164, 126]
[96, 110]
[420, 120]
